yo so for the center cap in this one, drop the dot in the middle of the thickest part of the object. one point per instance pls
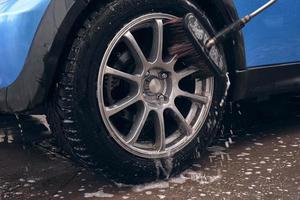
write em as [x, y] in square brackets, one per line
[155, 86]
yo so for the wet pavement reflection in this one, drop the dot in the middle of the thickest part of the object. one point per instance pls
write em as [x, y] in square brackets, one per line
[260, 161]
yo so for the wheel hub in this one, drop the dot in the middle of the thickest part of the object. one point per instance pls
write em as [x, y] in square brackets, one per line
[157, 87]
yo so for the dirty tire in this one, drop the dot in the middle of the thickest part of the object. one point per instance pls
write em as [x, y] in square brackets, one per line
[74, 113]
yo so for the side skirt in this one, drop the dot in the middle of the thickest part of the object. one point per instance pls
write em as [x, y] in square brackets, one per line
[266, 80]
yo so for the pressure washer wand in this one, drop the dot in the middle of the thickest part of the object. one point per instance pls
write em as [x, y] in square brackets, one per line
[238, 25]
[192, 42]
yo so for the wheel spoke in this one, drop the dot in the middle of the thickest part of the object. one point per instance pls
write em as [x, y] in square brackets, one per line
[181, 121]
[187, 72]
[121, 105]
[120, 74]
[172, 61]
[138, 126]
[158, 39]
[135, 49]
[193, 97]
[160, 141]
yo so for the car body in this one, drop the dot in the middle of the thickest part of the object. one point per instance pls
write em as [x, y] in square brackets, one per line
[38, 38]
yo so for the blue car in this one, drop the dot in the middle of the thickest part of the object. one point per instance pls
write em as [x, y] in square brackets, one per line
[115, 98]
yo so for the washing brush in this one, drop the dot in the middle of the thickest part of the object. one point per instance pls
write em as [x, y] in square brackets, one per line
[198, 46]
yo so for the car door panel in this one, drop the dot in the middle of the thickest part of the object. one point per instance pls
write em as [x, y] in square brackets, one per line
[274, 36]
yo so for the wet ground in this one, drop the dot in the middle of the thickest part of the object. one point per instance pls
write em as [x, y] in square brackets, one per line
[261, 161]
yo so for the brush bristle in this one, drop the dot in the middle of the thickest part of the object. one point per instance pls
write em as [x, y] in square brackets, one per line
[179, 42]
[181, 46]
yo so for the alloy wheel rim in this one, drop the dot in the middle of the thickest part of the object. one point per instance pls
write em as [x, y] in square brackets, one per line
[154, 89]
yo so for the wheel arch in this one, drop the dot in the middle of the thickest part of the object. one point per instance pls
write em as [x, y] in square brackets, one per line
[52, 39]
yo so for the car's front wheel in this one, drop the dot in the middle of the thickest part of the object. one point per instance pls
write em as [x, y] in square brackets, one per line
[123, 104]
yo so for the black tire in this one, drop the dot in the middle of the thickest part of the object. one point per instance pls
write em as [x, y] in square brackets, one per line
[74, 114]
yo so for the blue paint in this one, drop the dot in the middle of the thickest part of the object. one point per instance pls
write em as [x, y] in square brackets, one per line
[19, 20]
[274, 36]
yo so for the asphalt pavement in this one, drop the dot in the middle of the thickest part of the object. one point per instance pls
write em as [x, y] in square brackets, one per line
[258, 159]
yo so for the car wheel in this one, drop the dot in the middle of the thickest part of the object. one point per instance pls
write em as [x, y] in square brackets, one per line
[126, 107]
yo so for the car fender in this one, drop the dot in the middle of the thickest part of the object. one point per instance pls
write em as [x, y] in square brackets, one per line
[33, 83]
